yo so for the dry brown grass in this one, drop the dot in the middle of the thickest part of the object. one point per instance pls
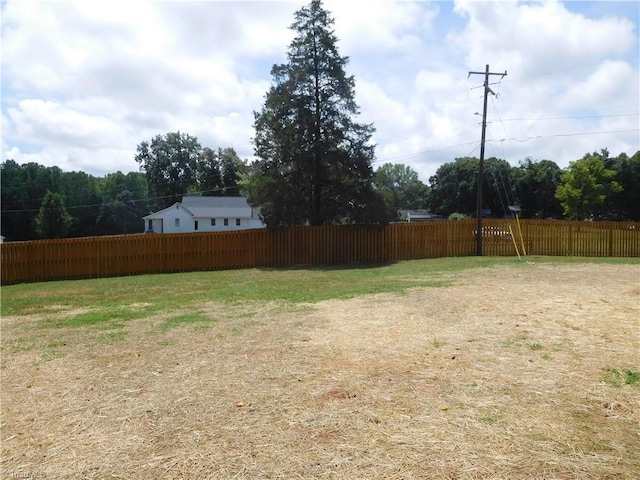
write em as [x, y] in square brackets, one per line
[499, 376]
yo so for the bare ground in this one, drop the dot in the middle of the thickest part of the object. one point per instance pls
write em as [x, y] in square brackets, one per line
[506, 374]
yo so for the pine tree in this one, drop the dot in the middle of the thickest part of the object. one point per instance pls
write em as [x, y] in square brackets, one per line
[314, 161]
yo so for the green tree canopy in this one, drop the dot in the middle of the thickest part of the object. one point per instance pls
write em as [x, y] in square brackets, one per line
[314, 161]
[23, 188]
[585, 186]
[219, 172]
[82, 200]
[53, 219]
[400, 186]
[625, 204]
[232, 170]
[170, 163]
[454, 187]
[535, 185]
[123, 203]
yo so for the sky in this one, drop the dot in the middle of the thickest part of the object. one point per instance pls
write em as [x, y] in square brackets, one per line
[83, 83]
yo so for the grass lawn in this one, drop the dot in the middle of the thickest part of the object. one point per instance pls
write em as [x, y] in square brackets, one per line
[459, 368]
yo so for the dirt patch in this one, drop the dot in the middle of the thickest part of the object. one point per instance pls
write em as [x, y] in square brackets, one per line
[501, 375]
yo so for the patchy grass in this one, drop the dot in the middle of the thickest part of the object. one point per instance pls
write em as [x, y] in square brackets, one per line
[618, 377]
[149, 294]
[506, 369]
[185, 320]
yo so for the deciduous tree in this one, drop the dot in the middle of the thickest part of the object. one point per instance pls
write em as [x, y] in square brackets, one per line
[454, 187]
[584, 187]
[535, 185]
[400, 186]
[170, 163]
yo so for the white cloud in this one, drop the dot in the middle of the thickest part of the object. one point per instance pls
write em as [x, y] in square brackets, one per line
[85, 82]
[538, 37]
[38, 120]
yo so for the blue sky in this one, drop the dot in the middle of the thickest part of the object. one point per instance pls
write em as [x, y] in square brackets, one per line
[83, 83]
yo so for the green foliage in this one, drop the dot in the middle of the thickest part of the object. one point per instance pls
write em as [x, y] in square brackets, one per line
[170, 163]
[81, 195]
[176, 165]
[400, 187]
[124, 200]
[23, 187]
[535, 188]
[53, 219]
[454, 187]
[458, 216]
[585, 186]
[219, 172]
[624, 204]
[100, 206]
[314, 161]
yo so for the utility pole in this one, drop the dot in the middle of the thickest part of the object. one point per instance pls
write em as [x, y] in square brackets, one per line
[487, 90]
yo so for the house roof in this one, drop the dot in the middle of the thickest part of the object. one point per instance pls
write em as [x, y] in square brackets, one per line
[214, 202]
[210, 207]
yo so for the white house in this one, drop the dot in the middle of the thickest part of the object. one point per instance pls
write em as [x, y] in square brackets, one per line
[204, 214]
[413, 216]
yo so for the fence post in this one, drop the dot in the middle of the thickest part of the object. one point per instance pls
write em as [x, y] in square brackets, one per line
[610, 252]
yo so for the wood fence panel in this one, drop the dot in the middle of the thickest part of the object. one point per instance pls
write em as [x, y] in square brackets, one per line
[320, 245]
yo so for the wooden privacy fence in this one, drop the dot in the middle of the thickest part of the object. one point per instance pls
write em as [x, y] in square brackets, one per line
[93, 257]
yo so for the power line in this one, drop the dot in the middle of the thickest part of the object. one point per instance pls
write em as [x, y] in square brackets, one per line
[570, 117]
[106, 204]
[578, 134]
[431, 151]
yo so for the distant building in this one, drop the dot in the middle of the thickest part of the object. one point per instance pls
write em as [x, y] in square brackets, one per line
[413, 216]
[204, 214]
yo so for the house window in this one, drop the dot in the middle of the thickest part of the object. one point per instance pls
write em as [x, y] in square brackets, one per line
[150, 226]
[237, 222]
[195, 225]
[213, 222]
[177, 222]
[226, 222]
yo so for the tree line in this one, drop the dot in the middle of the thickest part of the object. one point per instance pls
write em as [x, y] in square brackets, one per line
[597, 186]
[314, 166]
[45, 202]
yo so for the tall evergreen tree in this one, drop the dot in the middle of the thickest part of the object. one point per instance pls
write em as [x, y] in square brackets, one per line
[314, 160]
